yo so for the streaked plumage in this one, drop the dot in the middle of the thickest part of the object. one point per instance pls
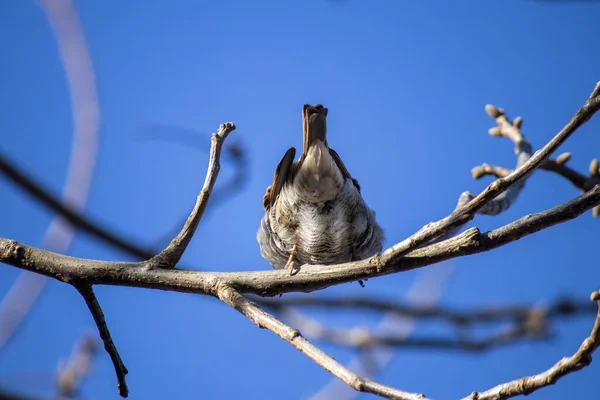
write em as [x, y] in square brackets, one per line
[314, 211]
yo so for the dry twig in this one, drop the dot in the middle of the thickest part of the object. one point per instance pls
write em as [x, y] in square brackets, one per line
[89, 296]
[491, 314]
[364, 338]
[265, 320]
[170, 256]
[567, 365]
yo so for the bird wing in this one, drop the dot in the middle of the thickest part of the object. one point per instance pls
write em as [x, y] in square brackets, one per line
[342, 167]
[282, 173]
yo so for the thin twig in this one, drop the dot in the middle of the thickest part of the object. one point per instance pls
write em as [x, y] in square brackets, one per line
[190, 138]
[510, 130]
[465, 213]
[170, 256]
[87, 293]
[363, 337]
[529, 384]
[267, 321]
[427, 290]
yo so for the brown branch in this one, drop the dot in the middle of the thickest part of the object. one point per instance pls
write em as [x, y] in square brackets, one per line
[362, 337]
[529, 384]
[87, 293]
[427, 289]
[579, 180]
[465, 213]
[560, 308]
[190, 138]
[390, 260]
[170, 256]
[267, 321]
[274, 282]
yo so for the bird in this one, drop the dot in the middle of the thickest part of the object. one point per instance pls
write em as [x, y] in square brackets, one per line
[314, 210]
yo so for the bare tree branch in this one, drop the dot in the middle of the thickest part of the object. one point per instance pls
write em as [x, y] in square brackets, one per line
[228, 286]
[529, 384]
[493, 314]
[466, 212]
[273, 282]
[425, 291]
[88, 295]
[267, 321]
[170, 256]
[363, 337]
[234, 150]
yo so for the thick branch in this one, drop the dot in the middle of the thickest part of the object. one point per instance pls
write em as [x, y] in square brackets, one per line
[529, 384]
[267, 321]
[273, 282]
[170, 256]
[87, 293]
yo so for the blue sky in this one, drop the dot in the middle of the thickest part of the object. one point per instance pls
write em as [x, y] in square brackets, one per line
[405, 84]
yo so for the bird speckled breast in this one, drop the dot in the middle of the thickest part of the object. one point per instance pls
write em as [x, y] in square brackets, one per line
[338, 230]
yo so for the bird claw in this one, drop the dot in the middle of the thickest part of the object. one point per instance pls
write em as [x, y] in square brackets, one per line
[291, 266]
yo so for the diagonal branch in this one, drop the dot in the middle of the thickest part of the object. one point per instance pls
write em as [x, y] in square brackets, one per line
[267, 321]
[88, 295]
[466, 212]
[529, 384]
[170, 256]
[72, 216]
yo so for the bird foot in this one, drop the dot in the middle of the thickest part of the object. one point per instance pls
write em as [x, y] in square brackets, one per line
[291, 263]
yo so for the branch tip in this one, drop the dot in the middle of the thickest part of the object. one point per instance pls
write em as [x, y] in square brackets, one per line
[563, 158]
[594, 167]
[518, 122]
[495, 131]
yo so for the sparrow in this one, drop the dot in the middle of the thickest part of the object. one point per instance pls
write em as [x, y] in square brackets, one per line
[314, 210]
